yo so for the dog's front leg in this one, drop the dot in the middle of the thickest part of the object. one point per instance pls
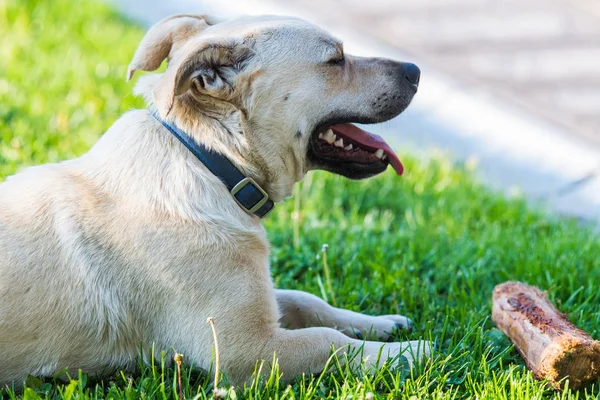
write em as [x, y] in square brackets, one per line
[308, 350]
[301, 310]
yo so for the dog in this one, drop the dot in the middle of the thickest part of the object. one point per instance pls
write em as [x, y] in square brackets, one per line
[137, 242]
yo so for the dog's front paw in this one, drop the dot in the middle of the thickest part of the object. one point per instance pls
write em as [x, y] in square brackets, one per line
[380, 328]
[402, 322]
[416, 351]
[375, 353]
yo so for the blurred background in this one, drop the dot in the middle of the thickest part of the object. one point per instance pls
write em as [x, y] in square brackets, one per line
[510, 87]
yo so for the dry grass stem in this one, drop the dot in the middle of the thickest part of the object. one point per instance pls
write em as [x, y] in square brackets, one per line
[327, 275]
[217, 394]
[178, 359]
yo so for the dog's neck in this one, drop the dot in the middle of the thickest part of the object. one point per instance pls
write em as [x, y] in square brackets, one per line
[140, 161]
[222, 127]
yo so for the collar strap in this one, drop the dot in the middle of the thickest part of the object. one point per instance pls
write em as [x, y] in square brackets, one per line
[245, 191]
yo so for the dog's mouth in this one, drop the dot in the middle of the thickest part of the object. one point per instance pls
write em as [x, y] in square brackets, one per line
[346, 145]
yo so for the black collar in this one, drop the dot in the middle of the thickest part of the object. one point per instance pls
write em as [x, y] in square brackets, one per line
[247, 193]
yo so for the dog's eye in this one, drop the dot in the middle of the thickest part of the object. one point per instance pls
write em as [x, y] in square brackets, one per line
[337, 60]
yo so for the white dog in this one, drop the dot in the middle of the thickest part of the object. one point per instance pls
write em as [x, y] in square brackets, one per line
[144, 237]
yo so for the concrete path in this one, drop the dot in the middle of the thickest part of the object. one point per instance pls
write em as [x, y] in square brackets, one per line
[513, 86]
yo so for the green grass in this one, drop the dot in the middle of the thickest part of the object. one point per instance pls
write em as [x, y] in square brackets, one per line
[430, 245]
[62, 78]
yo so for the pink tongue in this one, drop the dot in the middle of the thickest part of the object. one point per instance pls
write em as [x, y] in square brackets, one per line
[370, 140]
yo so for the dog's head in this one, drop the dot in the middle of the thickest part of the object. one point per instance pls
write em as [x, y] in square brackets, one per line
[283, 94]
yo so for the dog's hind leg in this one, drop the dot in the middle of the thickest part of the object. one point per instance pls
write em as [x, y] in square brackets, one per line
[302, 310]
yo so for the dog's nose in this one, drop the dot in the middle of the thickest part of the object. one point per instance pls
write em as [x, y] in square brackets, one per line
[412, 73]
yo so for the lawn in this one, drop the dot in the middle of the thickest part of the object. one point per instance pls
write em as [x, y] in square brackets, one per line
[430, 245]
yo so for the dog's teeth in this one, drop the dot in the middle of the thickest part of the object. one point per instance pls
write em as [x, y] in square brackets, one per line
[384, 157]
[379, 153]
[321, 135]
[329, 136]
[339, 143]
[349, 147]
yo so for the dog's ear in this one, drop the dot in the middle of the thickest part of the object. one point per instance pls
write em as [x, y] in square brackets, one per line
[206, 68]
[164, 39]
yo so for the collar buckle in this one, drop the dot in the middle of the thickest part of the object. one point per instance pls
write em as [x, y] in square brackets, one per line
[245, 191]
[244, 184]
